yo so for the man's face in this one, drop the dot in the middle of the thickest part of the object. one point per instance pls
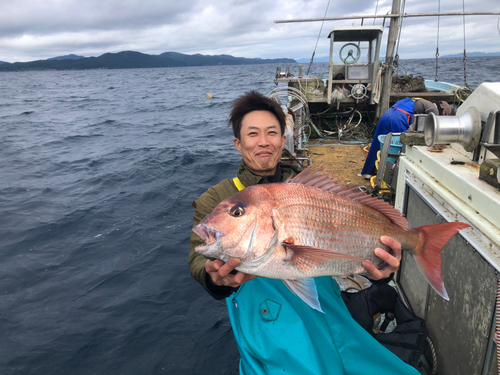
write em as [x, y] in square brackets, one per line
[261, 142]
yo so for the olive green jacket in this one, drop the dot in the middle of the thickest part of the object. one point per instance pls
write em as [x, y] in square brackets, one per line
[204, 206]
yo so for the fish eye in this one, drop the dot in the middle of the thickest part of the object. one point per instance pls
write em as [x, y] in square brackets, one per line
[237, 211]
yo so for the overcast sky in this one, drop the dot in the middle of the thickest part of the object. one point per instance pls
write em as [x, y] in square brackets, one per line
[39, 29]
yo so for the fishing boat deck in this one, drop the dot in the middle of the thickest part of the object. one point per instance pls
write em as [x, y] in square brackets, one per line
[344, 161]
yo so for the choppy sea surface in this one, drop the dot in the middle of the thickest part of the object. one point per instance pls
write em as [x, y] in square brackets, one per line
[98, 170]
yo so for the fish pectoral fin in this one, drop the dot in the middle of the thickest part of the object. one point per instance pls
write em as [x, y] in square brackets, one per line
[306, 257]
[306, 290]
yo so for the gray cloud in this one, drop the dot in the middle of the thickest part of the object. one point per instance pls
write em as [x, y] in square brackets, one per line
[52, 17]
[32, 29]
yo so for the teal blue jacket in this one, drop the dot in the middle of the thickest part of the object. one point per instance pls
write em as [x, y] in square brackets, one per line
[278, 333]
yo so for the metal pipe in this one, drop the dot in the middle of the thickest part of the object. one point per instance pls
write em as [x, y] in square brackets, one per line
[387, 74]
[393, 15]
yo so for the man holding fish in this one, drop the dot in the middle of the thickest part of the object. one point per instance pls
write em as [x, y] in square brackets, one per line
[296, 235]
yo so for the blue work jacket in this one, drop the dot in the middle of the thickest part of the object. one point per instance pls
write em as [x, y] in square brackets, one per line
[394, 120]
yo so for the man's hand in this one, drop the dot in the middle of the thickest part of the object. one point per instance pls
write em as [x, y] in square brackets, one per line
[393, 261]
[221, 275]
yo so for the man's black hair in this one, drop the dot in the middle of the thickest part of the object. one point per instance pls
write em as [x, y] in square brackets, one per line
[254, 101]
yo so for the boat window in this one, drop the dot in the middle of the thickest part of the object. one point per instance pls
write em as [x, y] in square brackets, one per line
[366, 57]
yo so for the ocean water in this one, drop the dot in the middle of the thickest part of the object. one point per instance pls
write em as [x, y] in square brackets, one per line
[98, 170]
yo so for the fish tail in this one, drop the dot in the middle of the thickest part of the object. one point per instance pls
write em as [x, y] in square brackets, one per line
[428, 252]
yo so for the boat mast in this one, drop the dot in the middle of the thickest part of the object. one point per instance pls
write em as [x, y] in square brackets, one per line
[396, 16]
[389, 57]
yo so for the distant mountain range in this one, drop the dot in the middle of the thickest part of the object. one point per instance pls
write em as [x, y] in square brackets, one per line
[469, 54]
[67, 57]
[474, 54]
[132, 59]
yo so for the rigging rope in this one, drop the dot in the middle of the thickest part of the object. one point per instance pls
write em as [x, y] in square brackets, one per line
[317, 40]
[376, 7]
[400, 24]
[437, 44]
[465, 52]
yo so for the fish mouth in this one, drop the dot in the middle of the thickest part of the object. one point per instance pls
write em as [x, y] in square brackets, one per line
[207, 234]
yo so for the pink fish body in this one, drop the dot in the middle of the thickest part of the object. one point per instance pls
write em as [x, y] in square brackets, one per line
[309, 227]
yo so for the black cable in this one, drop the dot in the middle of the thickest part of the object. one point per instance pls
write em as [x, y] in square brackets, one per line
[293, 157]
[317, 40]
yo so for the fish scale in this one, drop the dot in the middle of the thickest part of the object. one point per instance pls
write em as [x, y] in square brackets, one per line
[325, 220]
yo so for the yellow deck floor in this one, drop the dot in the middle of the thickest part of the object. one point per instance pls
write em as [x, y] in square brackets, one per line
[344, 161]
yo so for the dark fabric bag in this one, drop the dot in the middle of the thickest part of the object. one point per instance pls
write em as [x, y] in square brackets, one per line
[408, 339]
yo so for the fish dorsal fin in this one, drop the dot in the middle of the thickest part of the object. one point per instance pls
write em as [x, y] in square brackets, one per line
[384, 208]
[324, 182]
[318, 180]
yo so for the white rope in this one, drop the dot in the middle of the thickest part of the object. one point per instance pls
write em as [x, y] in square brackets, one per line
[434, 356]
[306, 78]
[303, 127]
[462, 93]
[348, 123]
[377, 87]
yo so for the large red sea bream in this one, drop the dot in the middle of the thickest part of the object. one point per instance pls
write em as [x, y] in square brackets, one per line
[309, 226]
